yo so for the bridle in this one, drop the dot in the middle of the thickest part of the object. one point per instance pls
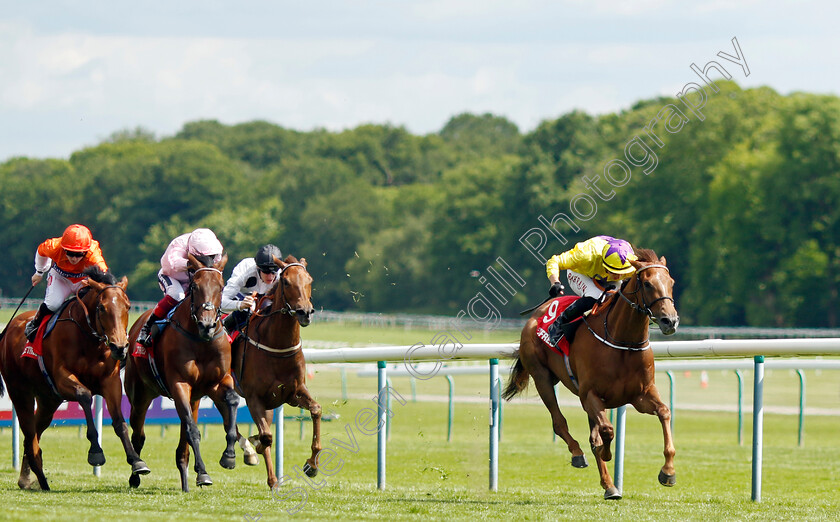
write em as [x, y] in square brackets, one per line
[92, 330]
[644, 308]
[286, 309]
[207, 305]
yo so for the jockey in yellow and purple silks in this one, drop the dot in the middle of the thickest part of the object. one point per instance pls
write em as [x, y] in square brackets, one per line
[592, 266]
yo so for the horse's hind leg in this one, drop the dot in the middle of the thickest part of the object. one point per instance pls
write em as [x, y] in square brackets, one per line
[600, 437]
[651, 404]
[68, 384]
[558, 421]
[263, 440]
[32, 461]
[304, 400]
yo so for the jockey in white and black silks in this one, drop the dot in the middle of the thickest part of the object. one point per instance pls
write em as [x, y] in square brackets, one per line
[174, 278]
[253, 276]
[592, 266]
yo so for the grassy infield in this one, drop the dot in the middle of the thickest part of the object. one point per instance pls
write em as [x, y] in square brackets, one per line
[430, 478]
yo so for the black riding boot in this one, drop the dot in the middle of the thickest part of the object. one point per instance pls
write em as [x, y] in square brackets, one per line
[575, 310]
[149, 331]
[35, 322]
[233, 321]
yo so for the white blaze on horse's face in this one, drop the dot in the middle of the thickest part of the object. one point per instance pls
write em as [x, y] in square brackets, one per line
[658, 291]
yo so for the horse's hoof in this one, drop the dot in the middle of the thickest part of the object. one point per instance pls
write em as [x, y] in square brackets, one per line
[667, 480]
[579, 461]
[310, 470]
[251, 459]
[227, 462]
[203, 479]
[24, 484]
[96, 459]
[612, 494]
[134, 480]
[140, 468]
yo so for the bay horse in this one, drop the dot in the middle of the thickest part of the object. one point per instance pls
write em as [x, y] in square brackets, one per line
[191, 358]
[268, 362]
[610, 364]
[81, 358]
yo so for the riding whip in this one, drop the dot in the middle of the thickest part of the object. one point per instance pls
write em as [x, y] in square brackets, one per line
[3, 333]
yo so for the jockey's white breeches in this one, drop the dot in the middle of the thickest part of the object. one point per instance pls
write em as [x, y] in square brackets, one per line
[59, 288]
[585, 286]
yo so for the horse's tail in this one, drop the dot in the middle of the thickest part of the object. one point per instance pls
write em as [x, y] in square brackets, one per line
[2, 388]
[517, 381]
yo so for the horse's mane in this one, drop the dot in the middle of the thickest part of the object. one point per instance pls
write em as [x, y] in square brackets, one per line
[646, 255]
[291, 259]
[96, 273]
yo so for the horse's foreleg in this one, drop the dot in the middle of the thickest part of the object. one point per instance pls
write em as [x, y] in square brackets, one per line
[113, 396]
[68, 384]
[190, 436]
[227, 402]
[653, 405]
[263, 439]
[600, 437]
[305, 400]
[558, 421]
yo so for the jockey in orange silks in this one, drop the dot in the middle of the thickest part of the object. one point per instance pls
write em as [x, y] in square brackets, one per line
[63, 259]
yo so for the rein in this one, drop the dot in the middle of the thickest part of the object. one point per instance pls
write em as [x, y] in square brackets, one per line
[643, 309]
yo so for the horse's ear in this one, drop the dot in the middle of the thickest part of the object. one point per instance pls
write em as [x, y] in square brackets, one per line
[662, 260]
[93, 284]
[193, 263]
[123, 282]
[637, 264]
[303, 261]
[222, 262]
[278, 262]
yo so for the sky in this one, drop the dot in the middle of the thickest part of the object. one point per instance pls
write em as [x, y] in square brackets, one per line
[72, 73]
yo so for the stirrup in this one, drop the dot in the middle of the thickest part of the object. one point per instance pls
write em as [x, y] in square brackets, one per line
[30, 330]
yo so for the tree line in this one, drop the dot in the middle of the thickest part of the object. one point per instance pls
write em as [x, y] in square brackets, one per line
[744, 204]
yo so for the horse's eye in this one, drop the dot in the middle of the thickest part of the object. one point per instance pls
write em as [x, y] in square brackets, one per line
[648, 285]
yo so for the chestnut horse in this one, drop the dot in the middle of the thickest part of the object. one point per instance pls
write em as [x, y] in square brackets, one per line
[192, 356]
[81, 357]
[610, 364]
[268, 361]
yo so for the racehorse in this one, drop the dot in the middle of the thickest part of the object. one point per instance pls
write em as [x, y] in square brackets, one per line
[190, 359]
[610, 364]
[268, 361]
[80, 359]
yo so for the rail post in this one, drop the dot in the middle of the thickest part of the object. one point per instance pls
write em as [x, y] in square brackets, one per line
[758, 427]
[494, 424]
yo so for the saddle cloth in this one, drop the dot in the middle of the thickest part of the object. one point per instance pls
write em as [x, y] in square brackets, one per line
[551, 314]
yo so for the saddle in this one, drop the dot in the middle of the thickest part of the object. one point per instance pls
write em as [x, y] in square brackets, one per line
[35, 348]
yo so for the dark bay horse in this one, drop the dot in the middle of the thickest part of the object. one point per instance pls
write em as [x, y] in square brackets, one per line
[612, 364]
[268, 361]
[81, 357]
[192, 358]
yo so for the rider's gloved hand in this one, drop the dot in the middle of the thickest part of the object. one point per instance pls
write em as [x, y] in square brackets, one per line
[556, 289]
